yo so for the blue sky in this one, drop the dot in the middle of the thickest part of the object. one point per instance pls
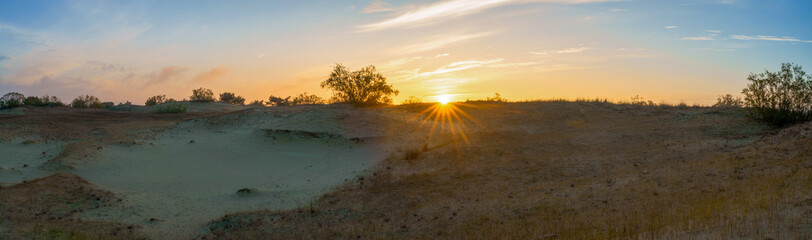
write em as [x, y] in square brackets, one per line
[672, 51]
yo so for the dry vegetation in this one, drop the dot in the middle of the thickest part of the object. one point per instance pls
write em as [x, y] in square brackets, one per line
[46, 209]
[534, 170]
[564, 170]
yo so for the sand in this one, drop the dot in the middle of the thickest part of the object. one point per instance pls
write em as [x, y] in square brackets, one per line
[174, 182]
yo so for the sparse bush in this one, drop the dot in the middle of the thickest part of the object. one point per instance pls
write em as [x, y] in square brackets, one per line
[258, 102]
[229, 97]
[11, 99]
[155, 100]
[33, 101]
[170, 108]
[365, 86]
[202, 95]
[278, 101]
[412, 100]
[780, 98]
[728, 101]
[51, 101]
[307, 99]
[86, 101]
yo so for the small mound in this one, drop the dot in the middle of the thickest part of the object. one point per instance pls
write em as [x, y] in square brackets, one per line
[46, 207]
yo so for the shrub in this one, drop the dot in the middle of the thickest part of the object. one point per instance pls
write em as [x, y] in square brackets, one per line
[229, 97]
[171, 108]
[202, 95]
[258, 102]
[728, 101]
[278, 101]
[780, 98]
[11, 99]
[496, 98]
[155, 100]
[305, 99]
[365, 86]
[412, 100]
[51, 101]
[108, 105]
[86, 101]
[33, 101]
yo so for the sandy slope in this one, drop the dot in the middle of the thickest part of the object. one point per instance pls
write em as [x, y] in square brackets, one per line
[174, 180]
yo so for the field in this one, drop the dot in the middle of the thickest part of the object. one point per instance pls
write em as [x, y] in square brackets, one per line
[532, 170]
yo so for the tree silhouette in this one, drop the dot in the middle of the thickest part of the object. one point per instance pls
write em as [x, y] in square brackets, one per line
[365, 86]
[230, 97]
[202, 95]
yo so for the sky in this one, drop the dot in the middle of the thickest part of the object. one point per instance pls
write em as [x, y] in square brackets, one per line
[672, 51]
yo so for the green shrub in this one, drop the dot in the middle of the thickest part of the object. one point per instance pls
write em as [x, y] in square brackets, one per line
[171, 108]
[51, 101]
[86, 101]
[33, 101]
[780, 98]
[11, 100]
[202, 95]
[155, 100]
[230, 97]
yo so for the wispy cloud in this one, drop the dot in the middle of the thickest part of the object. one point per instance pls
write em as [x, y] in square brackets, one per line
[450, 9]
[562, 51]
[767, 38]
[459, 66]
[108, 66]
[703, 38]
[378, 6]
[671, 27]
[618, 10]
[165, 75]
[210, 75]
[438, 42]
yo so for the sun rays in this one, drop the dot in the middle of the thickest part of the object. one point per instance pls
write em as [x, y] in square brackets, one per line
[446, 117]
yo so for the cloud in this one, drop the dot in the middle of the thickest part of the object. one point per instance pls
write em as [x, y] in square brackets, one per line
[767, 38]
[459, 66]
[703, 38]
[212, 74]
[671, 27]
[713, 31]
[108, 67]
[378, 6]
[441, 55]
[438, 42]
[562, 51]
[450, 9]
[165, 75]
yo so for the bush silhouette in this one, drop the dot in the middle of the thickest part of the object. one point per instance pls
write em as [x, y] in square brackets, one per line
[257, 102]
[365, 86]
[11, 99]
[780, 98]
[202, 95]
[86, 101]
[229, 97]
[51, 101]
[307, 99]
[278, 101]
[728, 101]
[33, 101]
[155, 100]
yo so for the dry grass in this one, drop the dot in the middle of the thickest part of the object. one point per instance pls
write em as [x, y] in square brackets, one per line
[45, 209]
[567, 170]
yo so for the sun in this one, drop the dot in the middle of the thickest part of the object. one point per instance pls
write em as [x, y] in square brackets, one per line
[444, 99]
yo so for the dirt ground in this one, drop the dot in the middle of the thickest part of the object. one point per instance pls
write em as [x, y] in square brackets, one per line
[535, 170]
